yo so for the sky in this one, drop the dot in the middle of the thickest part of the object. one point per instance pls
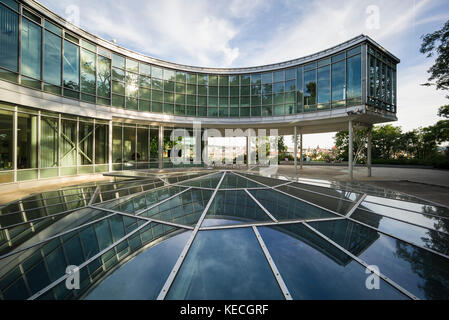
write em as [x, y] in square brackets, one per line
[239, 33]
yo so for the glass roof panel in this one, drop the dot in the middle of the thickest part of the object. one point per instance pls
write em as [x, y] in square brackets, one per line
[185, 208]
[143, 276]
[421, 236]
[233, 207]
[297, 251]
[70, 248]
[146, 200]
[97, 269]
[427, 221]
[225, 264]
[340, 205]
[329, 191]
[424, 208]
[232, 181]
[210, 181]
[271, 182]
[284, 207]
[419, 271]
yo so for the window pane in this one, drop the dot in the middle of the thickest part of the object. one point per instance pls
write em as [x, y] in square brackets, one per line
[354, 77]
[88, 70]
[310, 87]
[9, 30]
[26, 141]
[101, 143]
[6, 140]
[49, 142]
[116, 144]
[142, 144]
[104, 77]
[324, 77]
[85, 143]
[338, 81]
[129, 144]
[68, 141]
[52, 58]
[71, 66]
[31, 49]
[118, 61]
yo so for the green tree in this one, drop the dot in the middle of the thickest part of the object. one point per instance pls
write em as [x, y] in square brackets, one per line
[386, 141]
[443, 111]
[438, 42]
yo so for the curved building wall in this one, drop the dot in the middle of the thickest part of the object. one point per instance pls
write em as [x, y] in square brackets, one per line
[85, 85]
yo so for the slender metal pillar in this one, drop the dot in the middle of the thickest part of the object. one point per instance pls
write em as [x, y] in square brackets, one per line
[248, 151]
[14, 150]
[368, 150]
[350, 164]
[295, 147]
[300, 151]
[161, 147]
[110, 147]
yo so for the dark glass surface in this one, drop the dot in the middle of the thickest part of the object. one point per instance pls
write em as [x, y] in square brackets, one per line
[341, 205]
[421, 272]
[231, 181]
[143, 276]
[225, 264]
[297, 253]
[210, 181]
[284, 207]
[185, 208]
[233, 206]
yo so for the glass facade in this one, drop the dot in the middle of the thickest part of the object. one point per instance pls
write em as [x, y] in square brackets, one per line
[38, 53]
[96, 75]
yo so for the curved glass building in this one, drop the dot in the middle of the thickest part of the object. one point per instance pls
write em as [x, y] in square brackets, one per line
[72, 103]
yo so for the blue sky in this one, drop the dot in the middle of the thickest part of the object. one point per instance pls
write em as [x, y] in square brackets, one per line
[238, 33]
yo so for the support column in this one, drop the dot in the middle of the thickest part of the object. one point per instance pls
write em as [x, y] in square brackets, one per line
[295, 147]
[248, 151]
[300, 151]
[350, 165]
[368, 150]
[110, 147]
[161, 147]
[14, 142]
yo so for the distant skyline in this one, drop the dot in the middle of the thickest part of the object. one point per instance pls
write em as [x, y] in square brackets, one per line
[238, 33]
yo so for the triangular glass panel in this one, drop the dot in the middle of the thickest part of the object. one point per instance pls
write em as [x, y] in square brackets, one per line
[233, 207]
[284, 207]
[232, 181]
[145, 200]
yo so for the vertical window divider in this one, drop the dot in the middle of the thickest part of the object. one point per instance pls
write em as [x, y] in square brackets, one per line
[14, 159]
[38, 145]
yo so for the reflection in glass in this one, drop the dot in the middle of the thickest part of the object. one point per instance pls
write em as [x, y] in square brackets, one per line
[31, 49]
[134, 282]
[421, 272]
[233, 207]
[52, 58]
[225, 264]
[71, 66]
[297, 253]
[284, 207]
